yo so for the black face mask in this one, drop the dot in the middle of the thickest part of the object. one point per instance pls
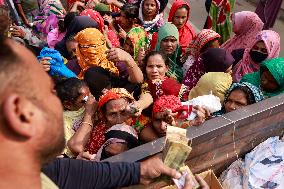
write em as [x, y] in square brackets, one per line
[257, 56]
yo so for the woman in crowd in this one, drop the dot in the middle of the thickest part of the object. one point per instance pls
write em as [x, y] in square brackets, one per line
[266, 46]
[136, 39]
[168, 44]
[200, 43]
[127, 20]
[78, 24]
[92, 51]
[167, 111]
[51, 11]
[27, 10]
[212, 60]
[246, 26]
[240, 95]
[216, 83]
[57, 34]
[114, 108]
[179, 16]
[157, 82]
[149, 14]
[111, 37]
[269, 78]
[74, 95]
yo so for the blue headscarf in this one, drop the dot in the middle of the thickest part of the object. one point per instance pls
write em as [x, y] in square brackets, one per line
[57, 66]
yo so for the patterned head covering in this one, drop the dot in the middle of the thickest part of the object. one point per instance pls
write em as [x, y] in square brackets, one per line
[91, 51]
[138, 37]
[99, 19]
[169, 102]
[255, 91]
[201, 39]
[216, 83]
[258, 96]
[95, 16]
[114, 94]
[156, 22]
[119, 133]
[246, 26]
[271, 40]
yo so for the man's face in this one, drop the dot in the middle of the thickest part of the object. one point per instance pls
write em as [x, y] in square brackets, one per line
[116, 112]
[48, 120]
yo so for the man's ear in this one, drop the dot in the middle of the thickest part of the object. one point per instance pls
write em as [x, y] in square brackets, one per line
[19, 113]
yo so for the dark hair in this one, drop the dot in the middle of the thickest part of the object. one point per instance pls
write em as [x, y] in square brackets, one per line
[61, 27]
[69, 89]
[249, 95]
[68, 19]
[130, 10]
[4, 24]
[184, 6]
[208, 44]
[153, 53]
[70, 38]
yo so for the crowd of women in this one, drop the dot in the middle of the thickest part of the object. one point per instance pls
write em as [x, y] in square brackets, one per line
[122, 69]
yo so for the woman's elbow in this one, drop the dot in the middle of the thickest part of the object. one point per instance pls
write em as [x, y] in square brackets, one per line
[75, 146]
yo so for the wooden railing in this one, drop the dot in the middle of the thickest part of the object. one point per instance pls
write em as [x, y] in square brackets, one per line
[220, 141]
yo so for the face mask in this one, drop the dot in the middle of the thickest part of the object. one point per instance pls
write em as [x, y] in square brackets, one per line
[257, 56]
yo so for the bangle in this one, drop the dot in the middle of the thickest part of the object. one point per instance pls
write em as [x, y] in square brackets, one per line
[84, 122]
[130, 66]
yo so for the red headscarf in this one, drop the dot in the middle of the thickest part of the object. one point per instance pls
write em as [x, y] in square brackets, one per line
[114, 94]
[186, 32]
[169, 102]
[173, 103]
[99, 19]
[95, 16]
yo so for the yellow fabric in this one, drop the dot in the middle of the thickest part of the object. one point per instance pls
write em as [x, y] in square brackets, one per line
[46, 183]
[91, 51]
[70, 119]
[217, 82]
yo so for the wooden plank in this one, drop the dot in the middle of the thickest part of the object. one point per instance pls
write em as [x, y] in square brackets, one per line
[227, 154]
[240, 132]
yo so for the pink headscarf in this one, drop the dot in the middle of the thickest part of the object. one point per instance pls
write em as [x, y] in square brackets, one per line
[246, 26]
[271, 40]
[99, 19]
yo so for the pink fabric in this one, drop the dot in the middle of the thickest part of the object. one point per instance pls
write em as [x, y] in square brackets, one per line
[53, 37]
[271, 40]
[2, 2]
[99, 19]
[246, 26]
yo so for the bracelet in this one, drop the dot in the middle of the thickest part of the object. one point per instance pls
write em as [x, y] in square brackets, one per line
[130, 66]
[84, 122]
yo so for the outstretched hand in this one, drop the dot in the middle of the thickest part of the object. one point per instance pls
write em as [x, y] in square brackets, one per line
[153, 168]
